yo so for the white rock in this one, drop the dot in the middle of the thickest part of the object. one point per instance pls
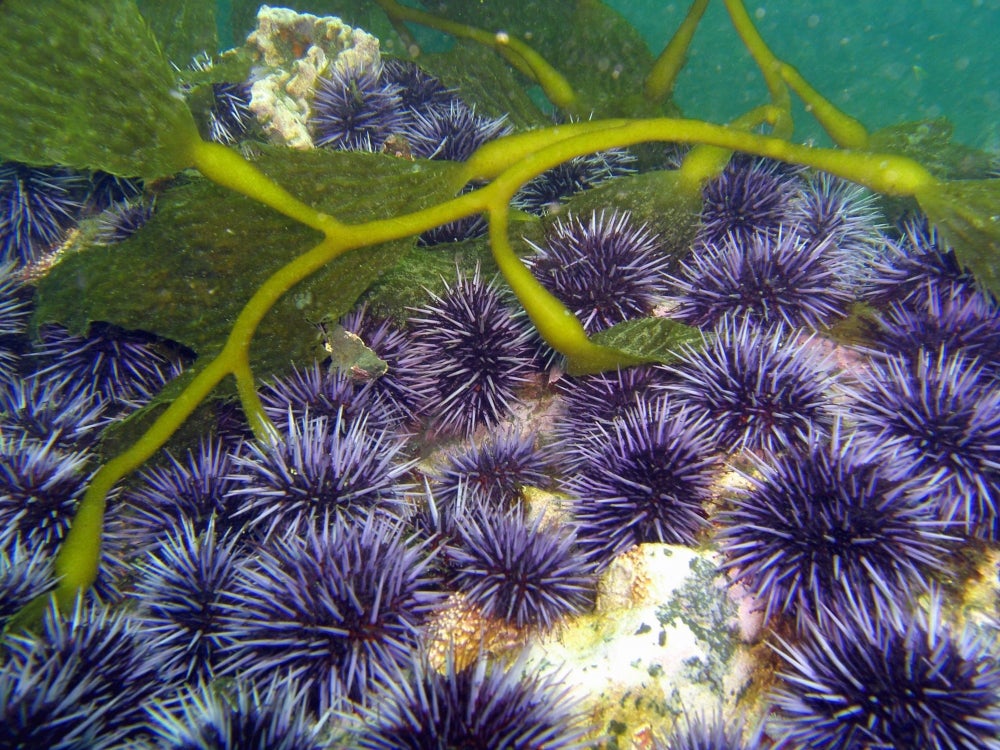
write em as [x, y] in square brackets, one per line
[667, 638]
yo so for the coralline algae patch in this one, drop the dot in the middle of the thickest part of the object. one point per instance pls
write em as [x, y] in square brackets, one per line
[664, 641]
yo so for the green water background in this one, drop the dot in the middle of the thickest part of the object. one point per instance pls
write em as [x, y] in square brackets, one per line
[883, 61]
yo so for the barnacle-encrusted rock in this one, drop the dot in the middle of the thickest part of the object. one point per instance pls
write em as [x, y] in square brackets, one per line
[292, 50]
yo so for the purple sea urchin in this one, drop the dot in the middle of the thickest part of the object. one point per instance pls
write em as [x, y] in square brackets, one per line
[247, 717]
[495, 470]
[935, 422]
[25, 572]
[419, 91]
[96, 652]
[321, 391]
[643, 478]
[605, 269]
[328, 605]
[181, 591]
[119, 366]
[470, 354]
[752, 198]
[769, 278]
[709, 733]
[823, 523]
[37, 206]
[839, 213]
[485, 706]
[230, 116]
[317, 471]
[121, 220]
[591, 401]
[544, 193]
[452, 133]
[865, 680]
[354, 110]
[520, 571]
[195, 491]
[759, 387]
[42, 409]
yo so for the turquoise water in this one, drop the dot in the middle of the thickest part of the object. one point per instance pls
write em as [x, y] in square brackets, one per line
[884, 62]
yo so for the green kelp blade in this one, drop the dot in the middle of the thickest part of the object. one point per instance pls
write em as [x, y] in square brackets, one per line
[184, 28]
[188, 273]
[648, 339]
[603, 56]
[84, 85]
[967, 214]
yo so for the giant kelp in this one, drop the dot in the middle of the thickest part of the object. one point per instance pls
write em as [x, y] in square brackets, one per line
[87, 86]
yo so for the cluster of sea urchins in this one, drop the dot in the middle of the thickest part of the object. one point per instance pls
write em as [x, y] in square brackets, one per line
[280, 593]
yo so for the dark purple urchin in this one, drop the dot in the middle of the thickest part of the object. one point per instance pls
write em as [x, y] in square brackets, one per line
[605, 269]
[105, 668]
[121, 220]
[935, 423]
[322, 391]
[15, 309]
[968, 323]
[915, 268]
[42, 409]
[195, 490]
[419, 91]
[869, 681]
[494, 470]
[37, 206]
[25, 572]
[524, 572]
[770, 279]
[319, 470]
[108, 189]
[354, 110]
[40, 487]
[751, 198]
[643, 478]
[760, 388]
[484, 706]
[452, 133]
[392, 345]
[180, 593]
[544, 193]
[469, 228]
[328, 606]
[591, 402]
[470, 354]
[230, 117]
[822, 524]
[240, 717]
[118, 366]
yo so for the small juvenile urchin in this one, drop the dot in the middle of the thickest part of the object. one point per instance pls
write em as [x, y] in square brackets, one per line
[643, 478]
[760, 387]
[605, 268]
[520, 571]
[470, 355]
[865, 680]
[823, 523]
